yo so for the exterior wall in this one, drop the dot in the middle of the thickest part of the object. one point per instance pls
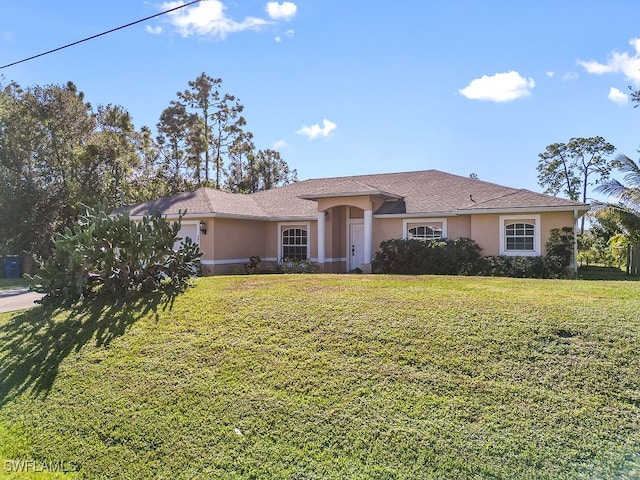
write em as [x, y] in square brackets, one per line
[485, 229]
[553, 220]
[364, 202]
[390, 228]
[229, 243]
[459, 227]
[335, 240]
[385, 229]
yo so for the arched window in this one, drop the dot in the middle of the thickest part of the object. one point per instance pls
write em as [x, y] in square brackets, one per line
[294, 244]
[425, 232]
[519, 237]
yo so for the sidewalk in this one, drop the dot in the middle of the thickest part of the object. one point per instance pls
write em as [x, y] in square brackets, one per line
[18, 298]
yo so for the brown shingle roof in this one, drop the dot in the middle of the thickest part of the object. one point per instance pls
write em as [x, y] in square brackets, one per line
[421, 192]
[201, 201]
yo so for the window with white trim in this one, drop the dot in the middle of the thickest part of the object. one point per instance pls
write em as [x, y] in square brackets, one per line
[520, 236]
[424, 232]
[295, 244]
[424, 229]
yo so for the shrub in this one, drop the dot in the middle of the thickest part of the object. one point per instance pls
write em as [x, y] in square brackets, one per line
[418, 257]
[559, 251]
[105, 255]
[253, 266]
[553, 265]
[289, 265]
[462, 257]
[518, 267]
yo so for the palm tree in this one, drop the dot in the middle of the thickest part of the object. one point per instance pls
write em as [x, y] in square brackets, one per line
[626, 211]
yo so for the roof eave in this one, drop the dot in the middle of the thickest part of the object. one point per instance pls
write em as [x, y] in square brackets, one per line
[374, 193]
[558, 208]
[174, 216]
[478, 211]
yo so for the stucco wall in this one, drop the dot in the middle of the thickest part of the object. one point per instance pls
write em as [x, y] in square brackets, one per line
[385, 229]
[229, 240]
[485, 229]
[238, 239]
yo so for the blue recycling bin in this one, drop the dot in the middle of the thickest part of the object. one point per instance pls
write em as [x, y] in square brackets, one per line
[12, 267]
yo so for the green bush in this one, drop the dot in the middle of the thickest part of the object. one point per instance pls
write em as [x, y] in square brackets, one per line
[111, 255]
[289, 265]
[553, 265]
[559, 250]
[418, 257]
[462, 257]
[518, 267]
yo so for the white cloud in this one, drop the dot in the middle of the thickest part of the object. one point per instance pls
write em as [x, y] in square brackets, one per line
[153, 30]
[207, 18]
[569, 76]
[289, 33]
[616, 96]
[501, 87]
[316, 130]
[618, 62]
[280, 145]
[550, 74]
[281, 11]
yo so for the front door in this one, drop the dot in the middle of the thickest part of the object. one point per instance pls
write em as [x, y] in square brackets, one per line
[356, 245]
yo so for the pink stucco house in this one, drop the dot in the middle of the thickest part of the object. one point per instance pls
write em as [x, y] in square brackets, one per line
[339, 222]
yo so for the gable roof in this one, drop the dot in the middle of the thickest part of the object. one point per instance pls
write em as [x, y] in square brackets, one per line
[427, 192]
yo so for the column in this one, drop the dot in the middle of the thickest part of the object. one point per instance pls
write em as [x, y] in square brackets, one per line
[321, 240]
[368, 240]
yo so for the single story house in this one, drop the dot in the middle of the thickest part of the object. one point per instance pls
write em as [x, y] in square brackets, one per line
[339, 222]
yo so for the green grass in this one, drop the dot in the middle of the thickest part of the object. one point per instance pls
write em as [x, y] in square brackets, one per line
[323, 376]
[597, 272]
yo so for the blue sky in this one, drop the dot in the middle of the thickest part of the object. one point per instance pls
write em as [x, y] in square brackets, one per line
[355, 87]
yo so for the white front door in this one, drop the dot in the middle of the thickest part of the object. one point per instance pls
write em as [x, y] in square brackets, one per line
[356, 245]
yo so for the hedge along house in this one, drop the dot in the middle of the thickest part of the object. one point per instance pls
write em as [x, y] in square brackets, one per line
[340, 222]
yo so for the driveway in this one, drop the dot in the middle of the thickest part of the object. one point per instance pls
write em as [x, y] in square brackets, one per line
[18, 298]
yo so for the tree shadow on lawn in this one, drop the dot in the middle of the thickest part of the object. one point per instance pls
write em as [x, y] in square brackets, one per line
[34, 344]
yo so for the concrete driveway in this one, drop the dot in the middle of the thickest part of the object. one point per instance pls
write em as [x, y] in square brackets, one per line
[18, 298]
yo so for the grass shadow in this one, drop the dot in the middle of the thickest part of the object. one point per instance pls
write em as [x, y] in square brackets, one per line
[34, 343]
[597, 272]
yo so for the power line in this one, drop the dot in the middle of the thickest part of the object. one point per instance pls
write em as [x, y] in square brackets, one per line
[100, 34]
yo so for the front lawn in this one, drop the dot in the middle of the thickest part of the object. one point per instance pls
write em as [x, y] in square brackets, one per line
[331, 376]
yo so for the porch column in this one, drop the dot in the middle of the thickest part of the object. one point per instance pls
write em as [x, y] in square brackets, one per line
[321, 240]
[368, 240]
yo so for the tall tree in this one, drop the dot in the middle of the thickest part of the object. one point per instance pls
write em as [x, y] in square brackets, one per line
[204, 130]
[55, 152]
[272, 171]
[215, 127]
[148, 182]
[572, 167]
[625, 210]
[173, 135]
[115, 143]
[45, 167]
[241, 169]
